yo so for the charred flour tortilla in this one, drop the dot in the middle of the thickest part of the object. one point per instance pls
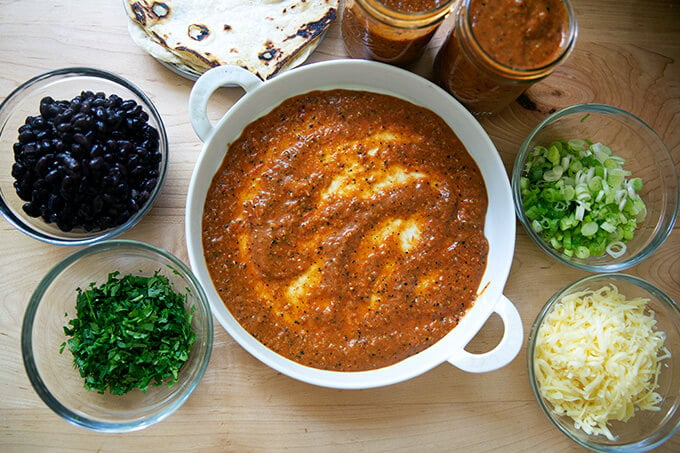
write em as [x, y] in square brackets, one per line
[262, 36]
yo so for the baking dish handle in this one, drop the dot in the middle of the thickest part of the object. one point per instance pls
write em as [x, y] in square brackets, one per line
[207, 84]
[506, 350]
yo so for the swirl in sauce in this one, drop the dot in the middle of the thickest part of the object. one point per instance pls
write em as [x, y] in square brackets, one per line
[344, 229]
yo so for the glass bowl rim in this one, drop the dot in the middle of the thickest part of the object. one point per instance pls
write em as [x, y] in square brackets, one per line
[81, 71]
[665, 300]
[633, 260]
[28, 325]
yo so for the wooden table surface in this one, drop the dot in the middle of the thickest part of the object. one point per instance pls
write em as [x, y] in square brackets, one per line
[627, 54]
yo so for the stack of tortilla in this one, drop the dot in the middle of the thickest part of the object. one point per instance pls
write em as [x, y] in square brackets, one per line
[262, 36]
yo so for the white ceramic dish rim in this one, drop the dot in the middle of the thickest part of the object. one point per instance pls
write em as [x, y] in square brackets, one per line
[368, 76]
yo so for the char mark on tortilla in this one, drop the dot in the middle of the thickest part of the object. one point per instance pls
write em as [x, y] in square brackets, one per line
[198, 32]
[139, 12]
[160, 9]
[312, 29]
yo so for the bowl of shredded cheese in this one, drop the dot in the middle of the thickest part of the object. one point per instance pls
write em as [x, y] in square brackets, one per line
[602, 363]
[596, 188]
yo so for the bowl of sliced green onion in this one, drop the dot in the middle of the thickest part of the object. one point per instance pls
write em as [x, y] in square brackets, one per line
[596, 188]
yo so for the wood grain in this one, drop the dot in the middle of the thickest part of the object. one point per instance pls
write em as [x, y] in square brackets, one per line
[628, 54]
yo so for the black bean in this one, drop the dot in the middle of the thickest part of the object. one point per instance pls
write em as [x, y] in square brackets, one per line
[64, 127]
[101, 126]
[119, 188]
[45, 145]
[116, 117]
[31, 209]
[132, 122]
[82, 121]
[47, 107]
[125, 147]
[64, 116]
[97, 150]
[150, 184]
[138, 171]
[24, 190]
[53, 176]
[69, 163]
[149, 131]
[81, 139]
[67, 189]
[128, 105]
[26, 137]
[77, 150]
[57, 144]
[64, 224]
[18, 170]
[39, 192]
[143, 197]
[43, 164]
[133, 160]
[54, 202]
[86, 104]
[75, 103]
[98, 163]
[37, 122]
[91, 162]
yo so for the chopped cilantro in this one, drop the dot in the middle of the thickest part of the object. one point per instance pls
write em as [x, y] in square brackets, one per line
[130, 332]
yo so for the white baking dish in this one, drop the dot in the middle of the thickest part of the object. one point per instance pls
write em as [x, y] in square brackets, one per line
[499, 229]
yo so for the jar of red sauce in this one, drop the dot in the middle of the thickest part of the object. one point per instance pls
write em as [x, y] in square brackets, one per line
[391, 31]
[499, 48]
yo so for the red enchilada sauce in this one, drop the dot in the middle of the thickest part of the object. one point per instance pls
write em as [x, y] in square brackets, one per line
[344, 229]
[391, 31]
[498, 48]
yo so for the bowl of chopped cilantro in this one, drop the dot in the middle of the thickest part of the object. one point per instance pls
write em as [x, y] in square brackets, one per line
[117, 336]
[596, 188]
[602, 362]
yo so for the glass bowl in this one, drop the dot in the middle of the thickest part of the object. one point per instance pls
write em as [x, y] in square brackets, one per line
[646, 429]
[52, 305]
[645, 156]
[66, 84]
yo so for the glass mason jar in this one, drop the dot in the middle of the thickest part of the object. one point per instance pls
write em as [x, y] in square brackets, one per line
[499, 48]
[391, 31]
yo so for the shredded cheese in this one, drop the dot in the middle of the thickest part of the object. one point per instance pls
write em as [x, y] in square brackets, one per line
[597, 358]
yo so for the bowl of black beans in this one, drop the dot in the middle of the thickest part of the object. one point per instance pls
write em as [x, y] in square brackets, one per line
[83, 155]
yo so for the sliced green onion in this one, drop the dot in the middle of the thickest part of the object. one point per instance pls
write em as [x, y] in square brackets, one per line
[636, 184]
[608, 227]
[616, 249]
[590, 228]
[579, 199]
[582, 252]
